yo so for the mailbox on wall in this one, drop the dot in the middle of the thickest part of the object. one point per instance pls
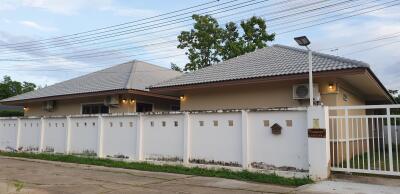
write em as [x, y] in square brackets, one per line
[276, 129]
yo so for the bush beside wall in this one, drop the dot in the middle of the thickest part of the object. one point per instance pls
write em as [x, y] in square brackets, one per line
[11, 113]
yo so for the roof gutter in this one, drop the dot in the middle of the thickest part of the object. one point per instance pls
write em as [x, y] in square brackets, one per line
[388, 95]
[90, 94]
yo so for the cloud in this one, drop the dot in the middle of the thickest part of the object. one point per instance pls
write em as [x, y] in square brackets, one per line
[71, 7]
[34, 25]
[129, 12]
[64, 7]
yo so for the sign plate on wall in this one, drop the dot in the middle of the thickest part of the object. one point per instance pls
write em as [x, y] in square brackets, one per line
[317, 133]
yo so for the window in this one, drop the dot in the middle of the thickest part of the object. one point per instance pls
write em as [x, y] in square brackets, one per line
[94, 108]
[144, 107]
[175, 108]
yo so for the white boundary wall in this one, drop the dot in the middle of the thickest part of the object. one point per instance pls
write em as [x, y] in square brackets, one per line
[233, 138]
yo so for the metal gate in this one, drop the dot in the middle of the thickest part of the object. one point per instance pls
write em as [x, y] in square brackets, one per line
[365, 139]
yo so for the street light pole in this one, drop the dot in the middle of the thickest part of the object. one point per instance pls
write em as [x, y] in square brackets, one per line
[310, 77]
[303, 41]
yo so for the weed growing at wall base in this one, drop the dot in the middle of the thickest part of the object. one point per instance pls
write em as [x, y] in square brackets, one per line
[179, 169]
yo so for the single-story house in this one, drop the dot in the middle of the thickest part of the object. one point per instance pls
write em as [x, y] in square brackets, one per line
[276, 76]
[118, 89]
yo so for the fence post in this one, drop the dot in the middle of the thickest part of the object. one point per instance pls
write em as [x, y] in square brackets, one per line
[346, 121]
[68, 139]
[42, 131]
[18, 142]
[389, 130]
[100, 131]
[186, 138]
[318, 142]
[139, 138]
[245, 145]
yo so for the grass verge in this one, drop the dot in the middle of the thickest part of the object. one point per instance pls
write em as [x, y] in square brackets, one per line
[179, 169]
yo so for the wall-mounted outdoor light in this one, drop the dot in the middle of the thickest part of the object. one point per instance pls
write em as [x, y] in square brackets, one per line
[330, 86]
[124, 101]
[131, 101]
[182, 97]
[26, 108]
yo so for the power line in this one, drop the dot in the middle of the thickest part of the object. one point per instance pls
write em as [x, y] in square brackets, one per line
[384, 37]
[280, 11]
[99, 29]
[374, 10]
[371, 48]
[149, 26]
[107, 52]
[340, 18]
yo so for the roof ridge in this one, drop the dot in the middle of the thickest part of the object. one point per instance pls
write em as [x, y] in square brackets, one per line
[128, 84]
[333, 57]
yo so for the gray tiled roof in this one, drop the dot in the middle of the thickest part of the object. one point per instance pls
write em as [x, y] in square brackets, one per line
[131, 75]
[270, 61]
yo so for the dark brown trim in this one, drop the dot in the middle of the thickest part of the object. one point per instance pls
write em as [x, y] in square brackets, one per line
[260, 80]
[90, 94]
[388, 95]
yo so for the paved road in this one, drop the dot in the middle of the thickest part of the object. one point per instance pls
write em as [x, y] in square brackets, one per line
[39, 177]
[42, 177]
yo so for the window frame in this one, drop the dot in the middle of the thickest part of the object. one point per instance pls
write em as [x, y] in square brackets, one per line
[94, 103]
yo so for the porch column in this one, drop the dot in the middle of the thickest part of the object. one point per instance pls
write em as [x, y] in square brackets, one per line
[318, 142]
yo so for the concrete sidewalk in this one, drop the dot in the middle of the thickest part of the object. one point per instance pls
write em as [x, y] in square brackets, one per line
[348, 184]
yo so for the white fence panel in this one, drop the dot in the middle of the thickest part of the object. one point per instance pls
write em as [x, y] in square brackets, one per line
[163, 137]
[365, 139]
[55, 135]
[84, 134]
[8, 133]
[119, 136]
[216, 137]
[30, 134]
[288, 149]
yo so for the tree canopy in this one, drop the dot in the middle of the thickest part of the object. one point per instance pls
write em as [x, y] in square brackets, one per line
[9, 87]
[208, 43]
[396, 95]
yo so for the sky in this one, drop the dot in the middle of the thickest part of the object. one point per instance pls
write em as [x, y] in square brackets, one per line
[361, 33]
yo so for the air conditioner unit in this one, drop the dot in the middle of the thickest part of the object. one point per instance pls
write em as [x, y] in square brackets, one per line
[49, 105]
[301, 91]
[111, 101]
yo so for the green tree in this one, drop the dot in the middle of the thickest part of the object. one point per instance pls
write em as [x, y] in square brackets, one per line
[9, 88]
[175, 67]
[207, 43]
[202, 42]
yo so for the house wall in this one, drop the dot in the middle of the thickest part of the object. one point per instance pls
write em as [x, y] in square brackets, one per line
[73, 106]
[266, 95]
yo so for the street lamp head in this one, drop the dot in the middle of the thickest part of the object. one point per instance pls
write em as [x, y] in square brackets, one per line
[302, 41]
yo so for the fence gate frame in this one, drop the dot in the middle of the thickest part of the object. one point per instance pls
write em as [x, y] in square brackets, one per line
[365, 139]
